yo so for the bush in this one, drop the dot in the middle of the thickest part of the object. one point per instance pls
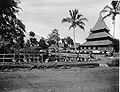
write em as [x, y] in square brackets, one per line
[114, 62]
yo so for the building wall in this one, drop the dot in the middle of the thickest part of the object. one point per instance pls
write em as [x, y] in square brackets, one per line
[100, 48]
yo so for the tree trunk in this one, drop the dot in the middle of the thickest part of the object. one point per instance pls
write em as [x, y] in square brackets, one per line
[74, 39]
[113, 35]
[114, 28]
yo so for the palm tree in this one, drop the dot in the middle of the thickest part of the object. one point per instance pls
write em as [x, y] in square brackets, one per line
[75, 20]
[112, 11]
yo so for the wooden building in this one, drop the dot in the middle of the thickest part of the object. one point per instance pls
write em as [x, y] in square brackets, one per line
[99, 38]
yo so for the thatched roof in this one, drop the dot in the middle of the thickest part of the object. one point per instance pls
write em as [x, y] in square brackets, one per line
[97, 43]
[99, 35]
[100, 24]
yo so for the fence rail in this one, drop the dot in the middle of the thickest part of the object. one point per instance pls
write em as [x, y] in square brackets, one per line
[16, 57]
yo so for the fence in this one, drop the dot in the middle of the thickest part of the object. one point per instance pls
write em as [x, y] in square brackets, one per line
[21, 57]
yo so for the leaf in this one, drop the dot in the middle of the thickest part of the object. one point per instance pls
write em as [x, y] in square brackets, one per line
[83, 19]
[66, 20]
[81, 26]
[107, 7]
[79, 15]
[71, 26]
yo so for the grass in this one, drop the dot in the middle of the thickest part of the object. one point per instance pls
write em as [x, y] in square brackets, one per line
[94, 80]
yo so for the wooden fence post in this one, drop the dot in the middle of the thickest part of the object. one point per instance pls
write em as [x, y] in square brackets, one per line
[3, 58]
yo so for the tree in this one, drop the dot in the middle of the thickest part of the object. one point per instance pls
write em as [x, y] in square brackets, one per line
[54, 38]
[42, 43]
[11, 28]
[69, 40]
[64, 41]
[33, 40]
[116, 45]
[112, 11]
[27, 44]
[31, 34]
[75, 20]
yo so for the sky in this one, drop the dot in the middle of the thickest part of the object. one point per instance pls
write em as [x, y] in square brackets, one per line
[42, 16]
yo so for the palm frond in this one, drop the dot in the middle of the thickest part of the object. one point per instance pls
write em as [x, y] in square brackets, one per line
[79, 16]
[71, 14]
[69, 20]
[104, 11]
[71, 26]
[83, 19]
[81, 23]
[81, 26]
[107, 7]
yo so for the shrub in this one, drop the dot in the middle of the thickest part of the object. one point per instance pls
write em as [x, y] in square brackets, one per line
[114, 62]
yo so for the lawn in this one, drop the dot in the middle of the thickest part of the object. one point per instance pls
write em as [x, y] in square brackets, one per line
[97, 79]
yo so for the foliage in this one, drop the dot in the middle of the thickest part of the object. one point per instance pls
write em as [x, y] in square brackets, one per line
[33, 40]
[65, 43]
[54, 38]
[27, 44]
[114, 62]
[75, 20]
[116, 45]
[11, 28]
[69, 40]
[31, 34]
[112, 10]
[42, 43]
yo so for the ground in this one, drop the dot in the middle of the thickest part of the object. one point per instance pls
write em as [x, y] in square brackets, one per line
[103, 79]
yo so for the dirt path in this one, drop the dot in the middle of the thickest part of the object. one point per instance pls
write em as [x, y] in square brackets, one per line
[93, 80]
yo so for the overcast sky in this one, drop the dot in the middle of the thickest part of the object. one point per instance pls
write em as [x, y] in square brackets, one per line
[42, 16]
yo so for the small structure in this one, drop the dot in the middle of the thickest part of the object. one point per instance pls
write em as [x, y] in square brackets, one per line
[72, 48]
[99, 38]
[53, 48]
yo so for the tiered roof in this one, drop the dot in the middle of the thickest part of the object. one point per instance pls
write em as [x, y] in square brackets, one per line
[99, 35]
[100, 30]
[97, 43]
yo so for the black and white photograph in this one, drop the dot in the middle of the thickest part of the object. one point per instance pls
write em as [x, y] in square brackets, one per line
[59, 45]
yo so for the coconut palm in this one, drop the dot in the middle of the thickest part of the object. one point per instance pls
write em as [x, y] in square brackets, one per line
[112, 11]
[75, 20]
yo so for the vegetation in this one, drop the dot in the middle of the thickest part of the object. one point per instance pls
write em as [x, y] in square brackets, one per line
[75, 20]
[11, 28]
[42, 43]
[53, 38]
[112, 11]
[33, 40]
